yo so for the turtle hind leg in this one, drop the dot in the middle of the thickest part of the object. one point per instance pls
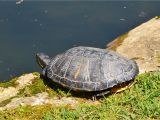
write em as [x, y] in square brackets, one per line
[100, 94]
[103, 93]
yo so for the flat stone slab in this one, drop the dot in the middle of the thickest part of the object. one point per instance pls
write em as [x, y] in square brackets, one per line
[141, 44]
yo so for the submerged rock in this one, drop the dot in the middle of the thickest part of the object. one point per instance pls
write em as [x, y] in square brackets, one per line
[141, 44]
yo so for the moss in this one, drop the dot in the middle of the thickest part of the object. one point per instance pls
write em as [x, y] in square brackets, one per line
[138, 58]
[9, 83]
[51, 92]
[13, 83]
[25, 113]
[5, 102]
[38, 86]
[36, 74]
[157, 17]
[117, 42]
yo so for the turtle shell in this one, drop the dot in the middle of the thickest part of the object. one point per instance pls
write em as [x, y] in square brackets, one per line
[90, 69]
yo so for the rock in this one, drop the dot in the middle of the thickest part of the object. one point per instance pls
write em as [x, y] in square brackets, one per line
[38, 99]
[70, 101]
[19, 94]
[141, 44]
[25, 80]
[6, 93]
[21, 82]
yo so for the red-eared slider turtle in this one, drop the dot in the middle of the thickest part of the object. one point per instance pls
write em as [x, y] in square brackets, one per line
[89, 69]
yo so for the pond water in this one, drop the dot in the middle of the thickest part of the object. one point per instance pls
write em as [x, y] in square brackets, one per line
[53, 27]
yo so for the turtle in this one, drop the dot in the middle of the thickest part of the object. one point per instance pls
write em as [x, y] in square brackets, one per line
[89, 69]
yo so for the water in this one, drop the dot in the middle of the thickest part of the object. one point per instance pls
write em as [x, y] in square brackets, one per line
[53, 27]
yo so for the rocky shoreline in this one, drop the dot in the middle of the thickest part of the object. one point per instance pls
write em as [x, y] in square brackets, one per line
[29, 89]
[141, 44]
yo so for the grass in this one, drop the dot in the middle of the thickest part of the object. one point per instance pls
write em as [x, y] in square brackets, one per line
[140, 102]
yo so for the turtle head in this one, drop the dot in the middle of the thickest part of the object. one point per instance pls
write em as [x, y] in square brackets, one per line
[42, 59]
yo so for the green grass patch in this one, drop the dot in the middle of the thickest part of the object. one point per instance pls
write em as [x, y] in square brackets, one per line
[140, 102]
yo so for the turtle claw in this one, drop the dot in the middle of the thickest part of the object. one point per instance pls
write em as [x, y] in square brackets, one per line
[94, 98]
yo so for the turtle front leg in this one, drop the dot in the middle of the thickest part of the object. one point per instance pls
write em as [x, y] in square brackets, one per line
[44, 72]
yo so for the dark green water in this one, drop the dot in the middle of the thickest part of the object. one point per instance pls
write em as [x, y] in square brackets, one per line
[53, 27]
